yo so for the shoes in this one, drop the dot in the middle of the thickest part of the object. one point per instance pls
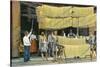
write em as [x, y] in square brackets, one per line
[27, 60]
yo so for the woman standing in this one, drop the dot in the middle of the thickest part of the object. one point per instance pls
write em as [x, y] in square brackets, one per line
[43, 46]
[33, 47]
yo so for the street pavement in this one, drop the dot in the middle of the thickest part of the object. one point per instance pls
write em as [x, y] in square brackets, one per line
[19, 62]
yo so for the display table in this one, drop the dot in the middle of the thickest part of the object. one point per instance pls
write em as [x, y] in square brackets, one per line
[74, 47]
[71, 41]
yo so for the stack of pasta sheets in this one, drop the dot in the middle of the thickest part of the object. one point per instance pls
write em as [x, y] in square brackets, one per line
[53, 17]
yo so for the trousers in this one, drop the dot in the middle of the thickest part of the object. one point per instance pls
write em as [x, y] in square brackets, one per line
[26, 53]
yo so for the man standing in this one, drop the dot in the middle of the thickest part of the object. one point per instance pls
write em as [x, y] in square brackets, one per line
[54, 47]
[50, 44]
[27, 45]
[92, 44]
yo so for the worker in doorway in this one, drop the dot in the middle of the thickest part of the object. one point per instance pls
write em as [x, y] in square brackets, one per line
[71, 34]
[27, 45]
[63, 33]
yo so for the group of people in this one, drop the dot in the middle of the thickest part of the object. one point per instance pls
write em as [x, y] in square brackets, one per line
[48, 45]
[70, 34]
